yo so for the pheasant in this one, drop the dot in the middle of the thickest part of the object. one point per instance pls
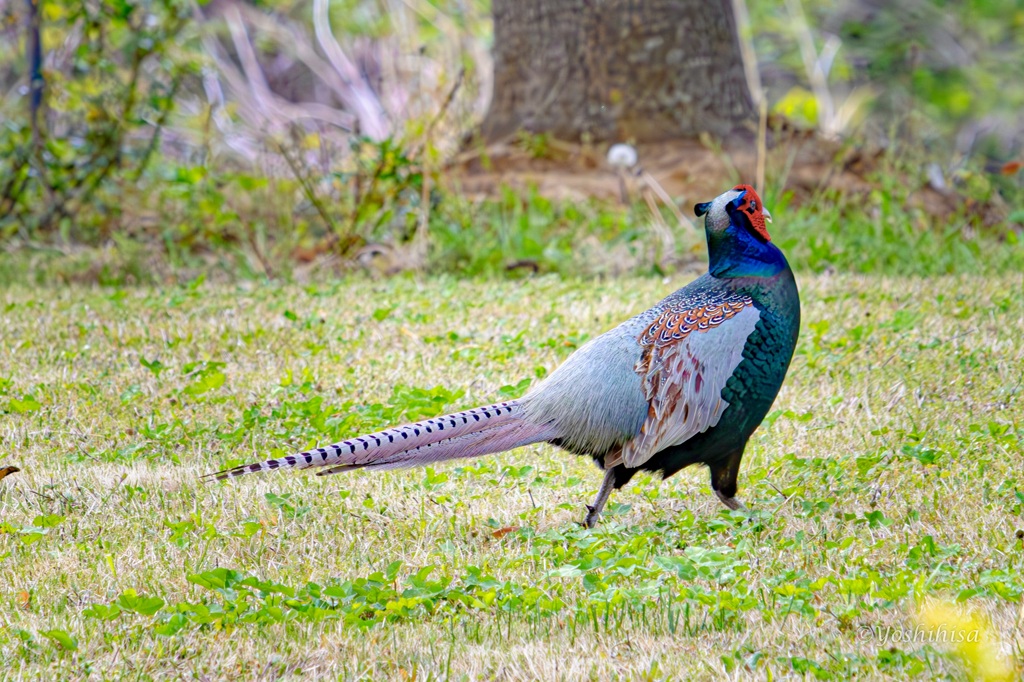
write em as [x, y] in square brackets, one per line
[686, 382]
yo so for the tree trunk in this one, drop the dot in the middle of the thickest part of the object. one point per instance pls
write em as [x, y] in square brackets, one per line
[616, 70]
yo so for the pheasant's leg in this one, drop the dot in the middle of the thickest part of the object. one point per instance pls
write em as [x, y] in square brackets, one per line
[723, 479]
[594, 510]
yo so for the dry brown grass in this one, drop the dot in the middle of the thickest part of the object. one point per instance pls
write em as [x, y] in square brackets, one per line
[903, 400]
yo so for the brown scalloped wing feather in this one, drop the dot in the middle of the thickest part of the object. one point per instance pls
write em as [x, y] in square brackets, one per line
[675, 381]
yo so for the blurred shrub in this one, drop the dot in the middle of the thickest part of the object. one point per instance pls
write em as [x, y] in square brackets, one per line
[947, 75]
[176, 137]
[102, 120]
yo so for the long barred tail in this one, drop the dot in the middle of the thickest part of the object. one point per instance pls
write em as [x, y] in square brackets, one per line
[471, 433]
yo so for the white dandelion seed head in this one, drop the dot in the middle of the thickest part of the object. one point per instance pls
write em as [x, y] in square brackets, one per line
[622, 156]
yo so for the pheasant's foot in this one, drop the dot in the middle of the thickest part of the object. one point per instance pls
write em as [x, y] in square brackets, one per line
[594, 510]
[731, 502]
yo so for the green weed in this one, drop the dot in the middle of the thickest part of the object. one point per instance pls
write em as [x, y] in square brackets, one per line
[888, 473]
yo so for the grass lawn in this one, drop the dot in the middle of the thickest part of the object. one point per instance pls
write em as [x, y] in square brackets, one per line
[889, 475]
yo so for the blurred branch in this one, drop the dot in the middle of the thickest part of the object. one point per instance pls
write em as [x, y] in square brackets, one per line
[36, 87]
[750, 63]
[753, 74]
[250, 65]
[817, 77]
[35, 62]
[247, 71]
[267, 108]
[359, 97]
[666, 248]
[77, 190]
[240, 144]
[421, 240]
[17, 176]
[308, 189]
[762, 145]
[818, 65]
[106, 158]
[438, 116]
[270, 107]
[651, 182]
[299, 43]
[159, 127]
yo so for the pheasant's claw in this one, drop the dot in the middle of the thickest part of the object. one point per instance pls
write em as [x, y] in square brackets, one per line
[731, 502]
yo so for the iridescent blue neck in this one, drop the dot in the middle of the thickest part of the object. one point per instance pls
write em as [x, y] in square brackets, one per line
[735, 252]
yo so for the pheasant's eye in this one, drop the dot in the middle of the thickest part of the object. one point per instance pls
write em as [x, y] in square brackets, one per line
[753, 205]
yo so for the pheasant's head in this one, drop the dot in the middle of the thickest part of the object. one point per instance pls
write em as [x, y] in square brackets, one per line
[740, 207]
[738, 241]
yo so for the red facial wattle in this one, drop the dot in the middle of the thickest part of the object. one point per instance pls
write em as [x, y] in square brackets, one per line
[755, 211]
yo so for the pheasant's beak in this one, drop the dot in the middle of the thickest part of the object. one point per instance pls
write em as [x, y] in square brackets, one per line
[767, 215]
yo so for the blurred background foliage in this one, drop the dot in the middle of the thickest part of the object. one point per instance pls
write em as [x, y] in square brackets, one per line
[942, 74]
[296, 137]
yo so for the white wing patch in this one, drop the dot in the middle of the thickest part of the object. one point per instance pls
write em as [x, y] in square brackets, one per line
[688, 356]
